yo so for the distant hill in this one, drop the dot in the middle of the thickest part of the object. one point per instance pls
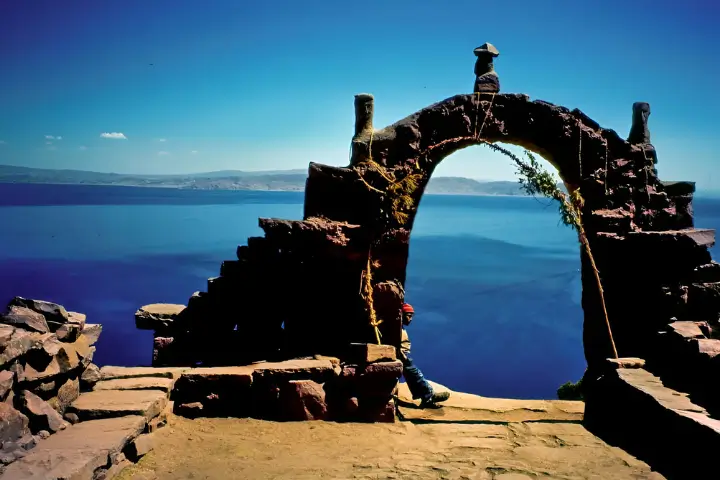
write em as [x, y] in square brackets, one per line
[283, 180]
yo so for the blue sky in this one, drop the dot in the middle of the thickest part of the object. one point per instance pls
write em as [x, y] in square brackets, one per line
[269, 85]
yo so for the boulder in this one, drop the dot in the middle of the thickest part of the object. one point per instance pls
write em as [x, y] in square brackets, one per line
[90, 376]
[7, 378]
[13, 424]
[140, 447]
[41, 415]
[25, 318]
[92, 331]
[77, 319]
[54, 314]
[18, 342]
[158, 316]
[68, 392]
[68, 332]
[303, 400]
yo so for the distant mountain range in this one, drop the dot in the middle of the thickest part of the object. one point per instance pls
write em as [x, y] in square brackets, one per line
[279, 180]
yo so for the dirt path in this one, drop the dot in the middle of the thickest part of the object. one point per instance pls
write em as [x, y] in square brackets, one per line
[253, 449]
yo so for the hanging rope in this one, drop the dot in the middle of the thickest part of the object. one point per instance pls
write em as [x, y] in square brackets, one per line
[580, 148]
[606, 167]
[367, 294]
[487, 112]
[646, 168]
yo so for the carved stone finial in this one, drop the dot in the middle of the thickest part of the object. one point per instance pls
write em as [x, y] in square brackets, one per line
[364, 110]
[486, 80]
[639, 132]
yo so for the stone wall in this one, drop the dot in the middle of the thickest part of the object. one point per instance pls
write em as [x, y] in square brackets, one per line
[296, 290]
[45, 362]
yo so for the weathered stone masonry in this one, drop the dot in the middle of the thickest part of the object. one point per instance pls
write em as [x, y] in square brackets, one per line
[295, 291]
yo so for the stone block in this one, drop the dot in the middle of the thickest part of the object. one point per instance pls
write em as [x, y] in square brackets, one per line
[78, 452]
[54, 314]
[139, 383]
[117, 403]
[77, 319]
[686, 329]
[189, 410]
[219, 390]
[378, 379]
[41, 415]
[375, 410]
[165, 352]
[13, 424]
[111, 372]
[302, 400]
[365, 353]
[90, 376]
[140, 447]
[703, 301]
[627, 362]
[92, 331]
[68, 332]
[23, 317]
[707, 348]
[297, 369]
[7, 378]
[158, 316]
[68, 392]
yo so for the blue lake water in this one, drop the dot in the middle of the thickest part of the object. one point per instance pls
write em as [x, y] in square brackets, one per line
[494, 280]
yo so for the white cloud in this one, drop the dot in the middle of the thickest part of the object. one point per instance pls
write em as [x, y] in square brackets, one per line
[48, 143]
[163, 153]
[58, 138]
[162, 140]
[52, 137]
[114, 135]
[194, 152]
[2, 142]
[83, 147]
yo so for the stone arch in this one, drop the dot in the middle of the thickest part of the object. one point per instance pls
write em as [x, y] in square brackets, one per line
[305, 274]
[618, 180]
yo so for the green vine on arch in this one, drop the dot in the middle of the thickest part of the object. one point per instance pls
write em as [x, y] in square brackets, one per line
[534, 179]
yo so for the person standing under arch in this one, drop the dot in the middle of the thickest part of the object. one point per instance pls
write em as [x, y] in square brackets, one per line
[419, 387]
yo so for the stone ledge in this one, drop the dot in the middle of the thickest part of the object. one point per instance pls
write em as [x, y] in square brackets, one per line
[634, 410]
[77, 452]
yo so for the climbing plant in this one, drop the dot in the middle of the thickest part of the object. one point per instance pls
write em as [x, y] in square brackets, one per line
[398, 190]
[534, 180]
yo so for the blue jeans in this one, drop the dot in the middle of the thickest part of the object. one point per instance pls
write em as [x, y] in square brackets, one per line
[419, 387]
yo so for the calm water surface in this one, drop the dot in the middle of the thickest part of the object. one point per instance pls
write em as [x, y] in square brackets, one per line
[494, 280]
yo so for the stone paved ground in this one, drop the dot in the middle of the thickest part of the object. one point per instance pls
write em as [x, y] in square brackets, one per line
[437, 448]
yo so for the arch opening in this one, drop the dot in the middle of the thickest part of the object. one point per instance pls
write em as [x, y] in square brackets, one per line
[496, 285]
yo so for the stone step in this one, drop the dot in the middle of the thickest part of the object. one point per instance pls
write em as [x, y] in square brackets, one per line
[78, 451]
[111, 373]
[138, 383]
[117, 403]
[700, 237]
[465, 407]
